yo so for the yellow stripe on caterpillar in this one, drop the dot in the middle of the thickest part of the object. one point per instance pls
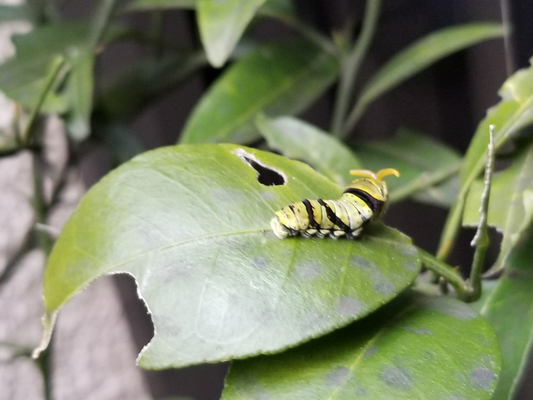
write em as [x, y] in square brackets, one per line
[362, 201]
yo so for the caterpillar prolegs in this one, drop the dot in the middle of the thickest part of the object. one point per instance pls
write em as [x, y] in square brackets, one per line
[361, 202]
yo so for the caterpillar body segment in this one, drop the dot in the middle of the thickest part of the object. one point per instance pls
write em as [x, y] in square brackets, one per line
[361, 202]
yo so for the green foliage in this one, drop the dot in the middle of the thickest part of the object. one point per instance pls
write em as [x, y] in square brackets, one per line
[279, 78]
[303, 318]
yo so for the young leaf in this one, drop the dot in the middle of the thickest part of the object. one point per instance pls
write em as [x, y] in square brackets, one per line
[302, 141]
[191, 224]
[221, 25]
[414, 348]
[419, 56]
[278, 79]
[511, 202]
[426, 167]
[508, 309]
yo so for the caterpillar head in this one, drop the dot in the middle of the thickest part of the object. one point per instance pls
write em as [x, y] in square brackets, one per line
[372, 182]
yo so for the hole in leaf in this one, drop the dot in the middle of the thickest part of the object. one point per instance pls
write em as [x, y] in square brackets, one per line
[265, 175]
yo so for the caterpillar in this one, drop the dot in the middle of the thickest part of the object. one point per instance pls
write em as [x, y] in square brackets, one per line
[362, 201]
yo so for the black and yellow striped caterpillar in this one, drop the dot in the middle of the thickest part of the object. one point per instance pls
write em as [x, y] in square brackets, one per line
[361, 202]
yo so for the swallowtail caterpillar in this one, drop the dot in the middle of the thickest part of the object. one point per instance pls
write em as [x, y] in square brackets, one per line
[361, 202]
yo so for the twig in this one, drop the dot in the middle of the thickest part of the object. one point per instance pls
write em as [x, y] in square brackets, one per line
[481, 238]
[50, 78]
[350, 66]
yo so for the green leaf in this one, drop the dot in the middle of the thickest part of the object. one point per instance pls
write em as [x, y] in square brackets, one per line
[508, 309]
[191, 224]
[426, 167]
[22, 78]
[277, 79]
[221, 25]
[408, 350]
[275, 8]
[299, 140]
[420, 55]
[79, 85]
[511, 202]
[509, 117]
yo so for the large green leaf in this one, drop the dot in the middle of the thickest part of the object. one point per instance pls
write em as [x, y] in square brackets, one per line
[278, 79]
[511, 202]
[276, 8]
[426, 166]
[191, 224]
[419, 56]
[299, 140]
[508, 309]
[414, 348]
[509, 117]
[221, 25]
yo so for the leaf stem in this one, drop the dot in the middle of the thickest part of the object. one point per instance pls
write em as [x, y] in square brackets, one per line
[451, 276]
[313, 35]
[350, 65]
[101, 20]
[481, 238]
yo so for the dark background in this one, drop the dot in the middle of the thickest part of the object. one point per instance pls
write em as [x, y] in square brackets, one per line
[445, 101]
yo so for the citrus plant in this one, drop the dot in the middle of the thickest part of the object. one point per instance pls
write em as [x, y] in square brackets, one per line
[376, 316]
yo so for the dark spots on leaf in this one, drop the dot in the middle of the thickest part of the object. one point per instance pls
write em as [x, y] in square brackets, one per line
[309, 271]
[384, 288]
[397, 378]
[268, 196]
[407, 250]
[360, 392]
[418, 331]
[428, 355]
[362, 263]
[266, 175]
[228, 195]
[260, 263]
[482, 378]
[349, 306]
[411, 266]
[370, 351]
[455, 309]
[338, 376]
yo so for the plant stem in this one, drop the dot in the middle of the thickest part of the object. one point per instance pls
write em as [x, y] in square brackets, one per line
[422, 182]
[350, 65]
[53, 72]
[447, 272]
[44, 363]
[481, 239]
[313, 35]
[101, 20]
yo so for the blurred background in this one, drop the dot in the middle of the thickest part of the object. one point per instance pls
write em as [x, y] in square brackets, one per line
[100, 332]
